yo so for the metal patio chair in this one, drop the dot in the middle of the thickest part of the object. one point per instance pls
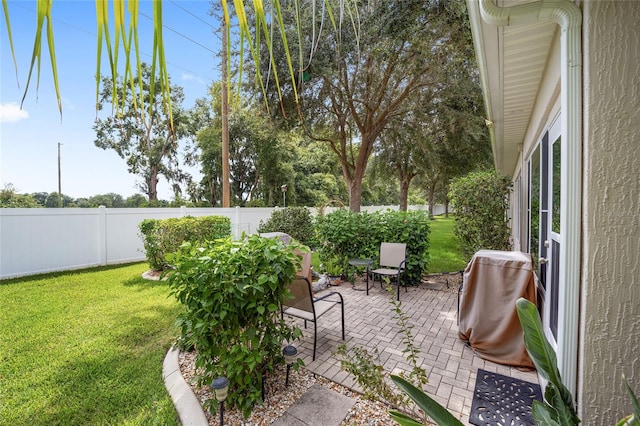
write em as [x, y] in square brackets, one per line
[303, 305]
[392, 263]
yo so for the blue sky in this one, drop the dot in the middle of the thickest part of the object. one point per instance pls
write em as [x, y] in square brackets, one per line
[29, 137]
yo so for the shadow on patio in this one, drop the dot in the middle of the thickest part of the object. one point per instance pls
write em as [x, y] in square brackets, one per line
[370, 321]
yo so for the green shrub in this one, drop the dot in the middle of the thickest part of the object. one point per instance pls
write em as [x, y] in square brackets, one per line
[481, 201]
[344, 235]
[165, 236]
[413, 229]
[295, 221]
[231, 291]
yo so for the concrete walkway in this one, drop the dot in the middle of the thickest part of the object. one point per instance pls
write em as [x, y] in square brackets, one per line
[319, 406]
[450, 364]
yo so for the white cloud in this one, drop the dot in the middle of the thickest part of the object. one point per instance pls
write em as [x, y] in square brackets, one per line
[67, 104]
[10, 112]
[191, 77]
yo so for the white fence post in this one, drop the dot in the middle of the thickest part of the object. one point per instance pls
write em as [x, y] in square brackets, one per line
[102, 235]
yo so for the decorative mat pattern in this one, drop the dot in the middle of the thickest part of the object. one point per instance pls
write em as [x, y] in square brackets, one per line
[501, 400]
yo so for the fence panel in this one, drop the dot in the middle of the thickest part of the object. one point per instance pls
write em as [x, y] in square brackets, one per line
[44, 240]
[34, 241]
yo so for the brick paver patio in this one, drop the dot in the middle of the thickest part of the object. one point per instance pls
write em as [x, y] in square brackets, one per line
[450, 364]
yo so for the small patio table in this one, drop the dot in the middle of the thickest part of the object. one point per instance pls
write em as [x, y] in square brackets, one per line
[362, 263]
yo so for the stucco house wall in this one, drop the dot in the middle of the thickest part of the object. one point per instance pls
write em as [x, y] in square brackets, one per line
[610, 292]
[599, 305]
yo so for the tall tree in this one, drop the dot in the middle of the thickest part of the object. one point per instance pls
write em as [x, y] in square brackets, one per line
[259, 155]
[361, 73]
[140, 133]
[442, 134]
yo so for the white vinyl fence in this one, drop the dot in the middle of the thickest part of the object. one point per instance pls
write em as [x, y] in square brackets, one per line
[34, 241]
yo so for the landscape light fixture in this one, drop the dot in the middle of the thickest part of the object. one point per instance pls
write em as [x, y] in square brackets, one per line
[220, 388]
[289, 353]
[284, 195]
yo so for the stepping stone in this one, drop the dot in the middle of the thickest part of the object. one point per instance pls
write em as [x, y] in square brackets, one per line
[319, 406]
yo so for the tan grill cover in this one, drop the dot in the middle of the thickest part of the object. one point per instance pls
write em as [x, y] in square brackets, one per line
[492, 283]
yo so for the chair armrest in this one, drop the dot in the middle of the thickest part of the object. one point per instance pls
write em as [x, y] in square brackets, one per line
[315, 299]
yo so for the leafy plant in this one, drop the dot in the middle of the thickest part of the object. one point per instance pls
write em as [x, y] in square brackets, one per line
[412, 228]
[431, 407]
[558, 407]
[165, 236]
[371, 375]
[344, 235]
[295, 221]
[231, 292]
[481, 203]
[634, 418]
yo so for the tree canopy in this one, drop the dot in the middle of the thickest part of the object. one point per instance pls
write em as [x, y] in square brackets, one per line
[140, 134]
[357, 80]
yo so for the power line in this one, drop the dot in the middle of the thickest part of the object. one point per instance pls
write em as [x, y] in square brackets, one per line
[194, 15]
[180, 34]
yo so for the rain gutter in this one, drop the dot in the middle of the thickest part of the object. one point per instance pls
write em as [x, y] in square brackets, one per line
[568, 16]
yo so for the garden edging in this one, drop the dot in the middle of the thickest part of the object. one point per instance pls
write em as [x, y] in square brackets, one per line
[186, 403]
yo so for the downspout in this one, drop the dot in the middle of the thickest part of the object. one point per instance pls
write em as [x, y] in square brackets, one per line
[568, 16]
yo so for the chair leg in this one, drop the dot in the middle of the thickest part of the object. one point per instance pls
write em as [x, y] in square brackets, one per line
[315, 338]
[342, 308]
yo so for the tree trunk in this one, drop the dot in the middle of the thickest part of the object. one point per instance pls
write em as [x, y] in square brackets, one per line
[355, 194]
[432, 198]
[405, 182]
[152, 184]
[446, 207]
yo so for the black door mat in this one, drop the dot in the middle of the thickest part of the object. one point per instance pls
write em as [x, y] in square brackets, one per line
[501, 400]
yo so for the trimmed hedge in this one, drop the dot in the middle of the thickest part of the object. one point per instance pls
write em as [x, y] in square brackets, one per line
[295, 221]
[481, 203]
[164, 236]
[345, 235]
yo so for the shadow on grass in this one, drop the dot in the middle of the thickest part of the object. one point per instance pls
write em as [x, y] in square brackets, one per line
[58, 274]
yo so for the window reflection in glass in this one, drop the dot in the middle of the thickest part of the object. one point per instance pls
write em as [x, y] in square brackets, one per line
[534, 203]
[555, 213]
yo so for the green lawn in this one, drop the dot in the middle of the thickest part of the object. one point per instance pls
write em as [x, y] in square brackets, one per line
[85, 347]
[444, 253]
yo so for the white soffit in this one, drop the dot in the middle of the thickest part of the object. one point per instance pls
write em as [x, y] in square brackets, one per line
[515, 58]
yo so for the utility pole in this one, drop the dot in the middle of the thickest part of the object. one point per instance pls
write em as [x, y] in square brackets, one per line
[59, 179]
[225, 117]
